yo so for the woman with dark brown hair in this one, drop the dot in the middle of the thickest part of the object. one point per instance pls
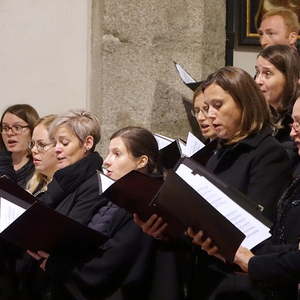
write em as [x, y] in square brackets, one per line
[248, 157]
[17, 123]
[277, 75]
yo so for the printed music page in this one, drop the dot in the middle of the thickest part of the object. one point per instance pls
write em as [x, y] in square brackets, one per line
[9, 212]
[254, 230]
[162, 140]
[193, 145]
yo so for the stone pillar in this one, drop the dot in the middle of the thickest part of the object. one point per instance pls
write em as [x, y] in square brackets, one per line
[134, 44]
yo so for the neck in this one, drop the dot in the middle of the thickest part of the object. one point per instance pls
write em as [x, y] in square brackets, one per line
[19, 159]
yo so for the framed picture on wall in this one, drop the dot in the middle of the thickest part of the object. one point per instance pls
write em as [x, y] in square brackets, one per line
[251, 12]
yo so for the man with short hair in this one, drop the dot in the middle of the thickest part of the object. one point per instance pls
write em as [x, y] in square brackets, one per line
[279, 26]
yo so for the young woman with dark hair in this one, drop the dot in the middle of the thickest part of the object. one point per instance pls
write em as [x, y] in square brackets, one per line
[17, 123]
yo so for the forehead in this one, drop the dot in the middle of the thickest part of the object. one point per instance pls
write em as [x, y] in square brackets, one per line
[64, 131]
[264, 63]
[296, 109]
[10, 118]
[40, 132]
[214, 91]
[273, 22]
[117, 142]
[199, 100]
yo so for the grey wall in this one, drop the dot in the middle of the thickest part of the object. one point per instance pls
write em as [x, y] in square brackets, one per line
[135, 82]
[112, 57]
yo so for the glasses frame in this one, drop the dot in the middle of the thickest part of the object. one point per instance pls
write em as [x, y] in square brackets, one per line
[39, 147]
[296, 126]
[13, 128]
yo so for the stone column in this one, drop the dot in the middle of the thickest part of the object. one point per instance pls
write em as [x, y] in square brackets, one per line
[134, 43]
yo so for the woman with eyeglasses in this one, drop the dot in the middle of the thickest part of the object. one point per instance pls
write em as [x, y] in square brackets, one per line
[43, 156]
[17, 123]
[273, 267]
[199, 111]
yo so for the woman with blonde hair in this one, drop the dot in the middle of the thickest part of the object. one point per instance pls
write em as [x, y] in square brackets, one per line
[43, 155]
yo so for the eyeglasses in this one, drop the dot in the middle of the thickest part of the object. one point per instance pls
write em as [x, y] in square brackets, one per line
[296, 126]
[15, 129]
[40, 146]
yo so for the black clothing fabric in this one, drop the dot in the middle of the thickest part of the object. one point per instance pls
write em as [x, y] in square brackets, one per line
[275, 269]
[121, 264]
[74, 190]
[20, 176]
[257, 166]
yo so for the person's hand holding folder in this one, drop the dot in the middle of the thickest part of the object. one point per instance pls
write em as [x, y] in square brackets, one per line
[154, 226]
[205, 243]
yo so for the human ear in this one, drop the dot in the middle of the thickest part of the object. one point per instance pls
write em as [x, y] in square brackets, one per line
[89, 143]
[143, 161]
[293, 38]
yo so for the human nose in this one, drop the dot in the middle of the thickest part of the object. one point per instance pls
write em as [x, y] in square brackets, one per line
[211, 113]
[264, 41]
[107, 161]
[259, 78]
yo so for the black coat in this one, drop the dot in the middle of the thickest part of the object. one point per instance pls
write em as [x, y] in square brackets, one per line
[20, 176]
[121, 264]
[257, 166]
[275, 269]
[74, 190]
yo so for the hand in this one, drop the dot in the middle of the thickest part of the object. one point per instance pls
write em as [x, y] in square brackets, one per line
[41, 258]
[205, 244]
[242, 258]
[154, 226]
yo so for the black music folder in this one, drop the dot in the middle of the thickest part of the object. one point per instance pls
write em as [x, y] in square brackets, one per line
[198, 199]
[135, 192]
[170, 150]
[186, 78]
[27, 223]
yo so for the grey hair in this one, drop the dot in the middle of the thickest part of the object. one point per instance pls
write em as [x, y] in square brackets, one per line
[81, 122]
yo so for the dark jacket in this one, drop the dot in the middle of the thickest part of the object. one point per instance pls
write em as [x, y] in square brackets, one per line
[275, 269]
[74, 190]
[257, 166]
[121, 264]
[20, 176]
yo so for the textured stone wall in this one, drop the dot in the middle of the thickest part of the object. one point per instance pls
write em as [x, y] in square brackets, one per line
[134, 44]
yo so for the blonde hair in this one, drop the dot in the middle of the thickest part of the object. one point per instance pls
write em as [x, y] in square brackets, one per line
[82, 123]
[289, 17]
[38, 182]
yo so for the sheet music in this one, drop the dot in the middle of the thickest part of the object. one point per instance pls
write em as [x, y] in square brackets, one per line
[9, 212]
[162, 140]
[255, 231]
[193, 145]
[184, 75]
[105, 181]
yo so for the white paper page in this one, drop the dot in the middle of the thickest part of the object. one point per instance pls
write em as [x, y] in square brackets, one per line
[193, 145]
[182, 146]
[9, 212]
[162, 140]
[184, 75]
[106, 182]
[255, 231]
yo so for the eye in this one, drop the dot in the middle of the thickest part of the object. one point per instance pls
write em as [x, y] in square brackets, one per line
[205, 108]
[217, 104]
[17, 127]
[65, 142]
